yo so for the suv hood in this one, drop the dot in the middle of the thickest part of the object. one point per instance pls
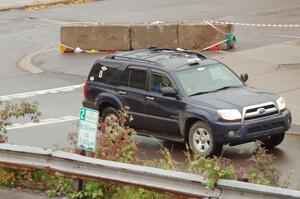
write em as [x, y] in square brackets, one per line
[233, 98]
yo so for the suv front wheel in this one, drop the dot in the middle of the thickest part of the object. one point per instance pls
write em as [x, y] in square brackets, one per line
[201, 140]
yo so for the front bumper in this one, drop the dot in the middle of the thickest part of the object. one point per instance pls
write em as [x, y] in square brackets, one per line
[251, 130]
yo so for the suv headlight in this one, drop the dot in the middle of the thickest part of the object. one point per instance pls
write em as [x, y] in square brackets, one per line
[281, 103]
[230, 114]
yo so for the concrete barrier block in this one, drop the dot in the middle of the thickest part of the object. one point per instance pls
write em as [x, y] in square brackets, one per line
[95, 36]
[199, 36]
[158, 35]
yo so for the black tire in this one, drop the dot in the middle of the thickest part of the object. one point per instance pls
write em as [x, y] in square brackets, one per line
[201, 140]
[109, 111]
[273, 141]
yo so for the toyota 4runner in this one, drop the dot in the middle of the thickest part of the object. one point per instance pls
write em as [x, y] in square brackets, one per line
[183, 96]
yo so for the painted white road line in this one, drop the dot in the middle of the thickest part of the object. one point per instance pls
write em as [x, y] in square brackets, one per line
[283, 36]
[43, 122]
[40, 92]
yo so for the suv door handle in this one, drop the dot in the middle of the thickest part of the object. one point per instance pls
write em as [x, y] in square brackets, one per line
[122, 92]
[174, 116]
[149, 98]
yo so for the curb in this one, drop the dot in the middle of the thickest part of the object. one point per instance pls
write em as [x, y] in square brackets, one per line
[7, 193]
[294, 130]
[26, 64]
[23, 6]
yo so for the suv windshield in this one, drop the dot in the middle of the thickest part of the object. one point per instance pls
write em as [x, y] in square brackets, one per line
[206, 79]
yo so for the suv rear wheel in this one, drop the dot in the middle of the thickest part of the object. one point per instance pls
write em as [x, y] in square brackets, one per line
[273, 141]
[108, 111]
[201, 140]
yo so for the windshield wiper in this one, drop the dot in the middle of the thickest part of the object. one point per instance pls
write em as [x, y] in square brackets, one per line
[200, 93]
[222, 88]
[226, 87]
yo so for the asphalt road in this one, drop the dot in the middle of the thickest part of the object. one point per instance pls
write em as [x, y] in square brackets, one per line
[24, 32]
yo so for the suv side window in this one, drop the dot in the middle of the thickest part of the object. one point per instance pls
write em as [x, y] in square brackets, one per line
[101, 73]
[159, 81]
[135, 78]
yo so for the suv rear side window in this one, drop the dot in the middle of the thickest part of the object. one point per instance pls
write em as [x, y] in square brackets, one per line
[135, 78]
[101, 73]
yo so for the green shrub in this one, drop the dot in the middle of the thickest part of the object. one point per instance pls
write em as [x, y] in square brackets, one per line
[213, 169]
[263, 170]
[9, 110]
[115, 140]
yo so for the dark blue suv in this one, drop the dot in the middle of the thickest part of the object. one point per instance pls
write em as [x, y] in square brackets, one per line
[183, 96]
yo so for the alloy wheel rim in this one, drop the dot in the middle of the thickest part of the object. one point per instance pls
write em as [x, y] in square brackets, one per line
[201, 140]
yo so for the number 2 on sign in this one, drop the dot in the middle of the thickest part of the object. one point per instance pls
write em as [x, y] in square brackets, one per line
[82, 114]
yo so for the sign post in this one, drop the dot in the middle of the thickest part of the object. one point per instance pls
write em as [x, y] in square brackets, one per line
[87, 136]
[88, 128]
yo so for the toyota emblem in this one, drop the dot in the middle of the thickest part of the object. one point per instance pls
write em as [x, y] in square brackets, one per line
[261, 111]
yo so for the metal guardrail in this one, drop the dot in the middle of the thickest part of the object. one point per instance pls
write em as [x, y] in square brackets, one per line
[179, 183]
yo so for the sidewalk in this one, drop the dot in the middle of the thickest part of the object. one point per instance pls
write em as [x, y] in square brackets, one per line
[19, 4]
[274, 68]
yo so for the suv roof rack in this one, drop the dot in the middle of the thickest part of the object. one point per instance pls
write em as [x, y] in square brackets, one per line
[199, 55]
[131, 58]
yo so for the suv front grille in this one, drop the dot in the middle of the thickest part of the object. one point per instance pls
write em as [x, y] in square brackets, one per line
[259, 111]
[266, 127]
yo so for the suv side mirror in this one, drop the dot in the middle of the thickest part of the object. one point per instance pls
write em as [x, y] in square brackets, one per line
[244, 77]
[168, 92]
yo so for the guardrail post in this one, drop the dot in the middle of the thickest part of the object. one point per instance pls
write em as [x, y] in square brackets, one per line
[78, 183]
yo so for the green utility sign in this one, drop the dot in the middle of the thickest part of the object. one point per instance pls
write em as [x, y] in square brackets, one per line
[88, 129]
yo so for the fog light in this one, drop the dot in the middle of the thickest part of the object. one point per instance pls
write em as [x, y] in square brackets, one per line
[231, 133]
